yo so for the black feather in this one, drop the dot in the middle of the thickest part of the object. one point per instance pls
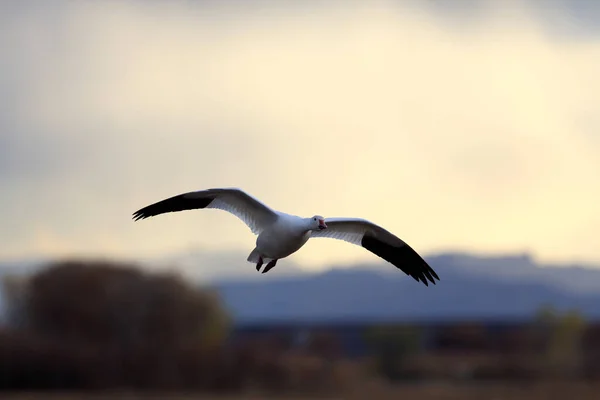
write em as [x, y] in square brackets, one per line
[172, 204]
[402, 257]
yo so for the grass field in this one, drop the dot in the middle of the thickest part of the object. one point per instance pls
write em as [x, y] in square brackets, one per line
[490, 391]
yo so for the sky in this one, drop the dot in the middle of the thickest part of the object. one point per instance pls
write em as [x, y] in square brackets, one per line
[459, 126]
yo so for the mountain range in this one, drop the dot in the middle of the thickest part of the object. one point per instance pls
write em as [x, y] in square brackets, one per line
[471, 286]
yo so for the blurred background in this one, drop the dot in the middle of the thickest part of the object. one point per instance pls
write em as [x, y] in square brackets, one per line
[468, 128]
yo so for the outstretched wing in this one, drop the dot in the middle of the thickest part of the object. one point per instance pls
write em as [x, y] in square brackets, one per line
[251, 211]
[381, 243]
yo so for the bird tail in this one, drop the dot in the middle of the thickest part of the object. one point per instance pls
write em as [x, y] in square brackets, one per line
[254, 256]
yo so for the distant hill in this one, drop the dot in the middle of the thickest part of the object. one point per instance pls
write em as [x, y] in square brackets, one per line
[511, 286]
[470, 287]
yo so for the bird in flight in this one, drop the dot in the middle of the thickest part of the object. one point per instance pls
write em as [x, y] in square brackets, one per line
[280, 235]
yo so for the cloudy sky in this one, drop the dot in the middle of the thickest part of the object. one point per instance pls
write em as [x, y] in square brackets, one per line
[459, 125]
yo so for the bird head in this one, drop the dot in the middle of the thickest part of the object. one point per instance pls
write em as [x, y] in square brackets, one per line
[318, 223]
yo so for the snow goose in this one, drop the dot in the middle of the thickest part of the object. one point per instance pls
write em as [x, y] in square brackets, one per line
[280, 235]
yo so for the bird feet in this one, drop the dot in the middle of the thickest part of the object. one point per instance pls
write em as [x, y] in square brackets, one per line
[269, 266]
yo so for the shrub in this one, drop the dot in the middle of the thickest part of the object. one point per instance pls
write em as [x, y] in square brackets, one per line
[111, 324]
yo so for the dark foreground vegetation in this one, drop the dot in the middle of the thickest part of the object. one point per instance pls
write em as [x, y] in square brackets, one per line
[504, 391]
[103, 326]
[113, 328]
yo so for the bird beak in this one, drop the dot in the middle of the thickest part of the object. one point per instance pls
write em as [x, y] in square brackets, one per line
[322, 224]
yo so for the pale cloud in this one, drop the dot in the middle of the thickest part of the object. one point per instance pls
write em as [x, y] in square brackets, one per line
[478, 136]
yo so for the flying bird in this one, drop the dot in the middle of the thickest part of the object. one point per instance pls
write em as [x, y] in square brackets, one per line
[280, 234]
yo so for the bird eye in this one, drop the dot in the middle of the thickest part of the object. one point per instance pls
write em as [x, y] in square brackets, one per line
[314, 219]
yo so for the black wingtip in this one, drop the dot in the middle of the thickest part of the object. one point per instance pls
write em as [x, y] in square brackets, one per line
[136, 216]
[416, 266]
[144, 213]
[185, 201]
[403, 258]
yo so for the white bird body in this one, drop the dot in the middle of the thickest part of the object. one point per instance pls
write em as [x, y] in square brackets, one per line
[279, 234]
[283, 238]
